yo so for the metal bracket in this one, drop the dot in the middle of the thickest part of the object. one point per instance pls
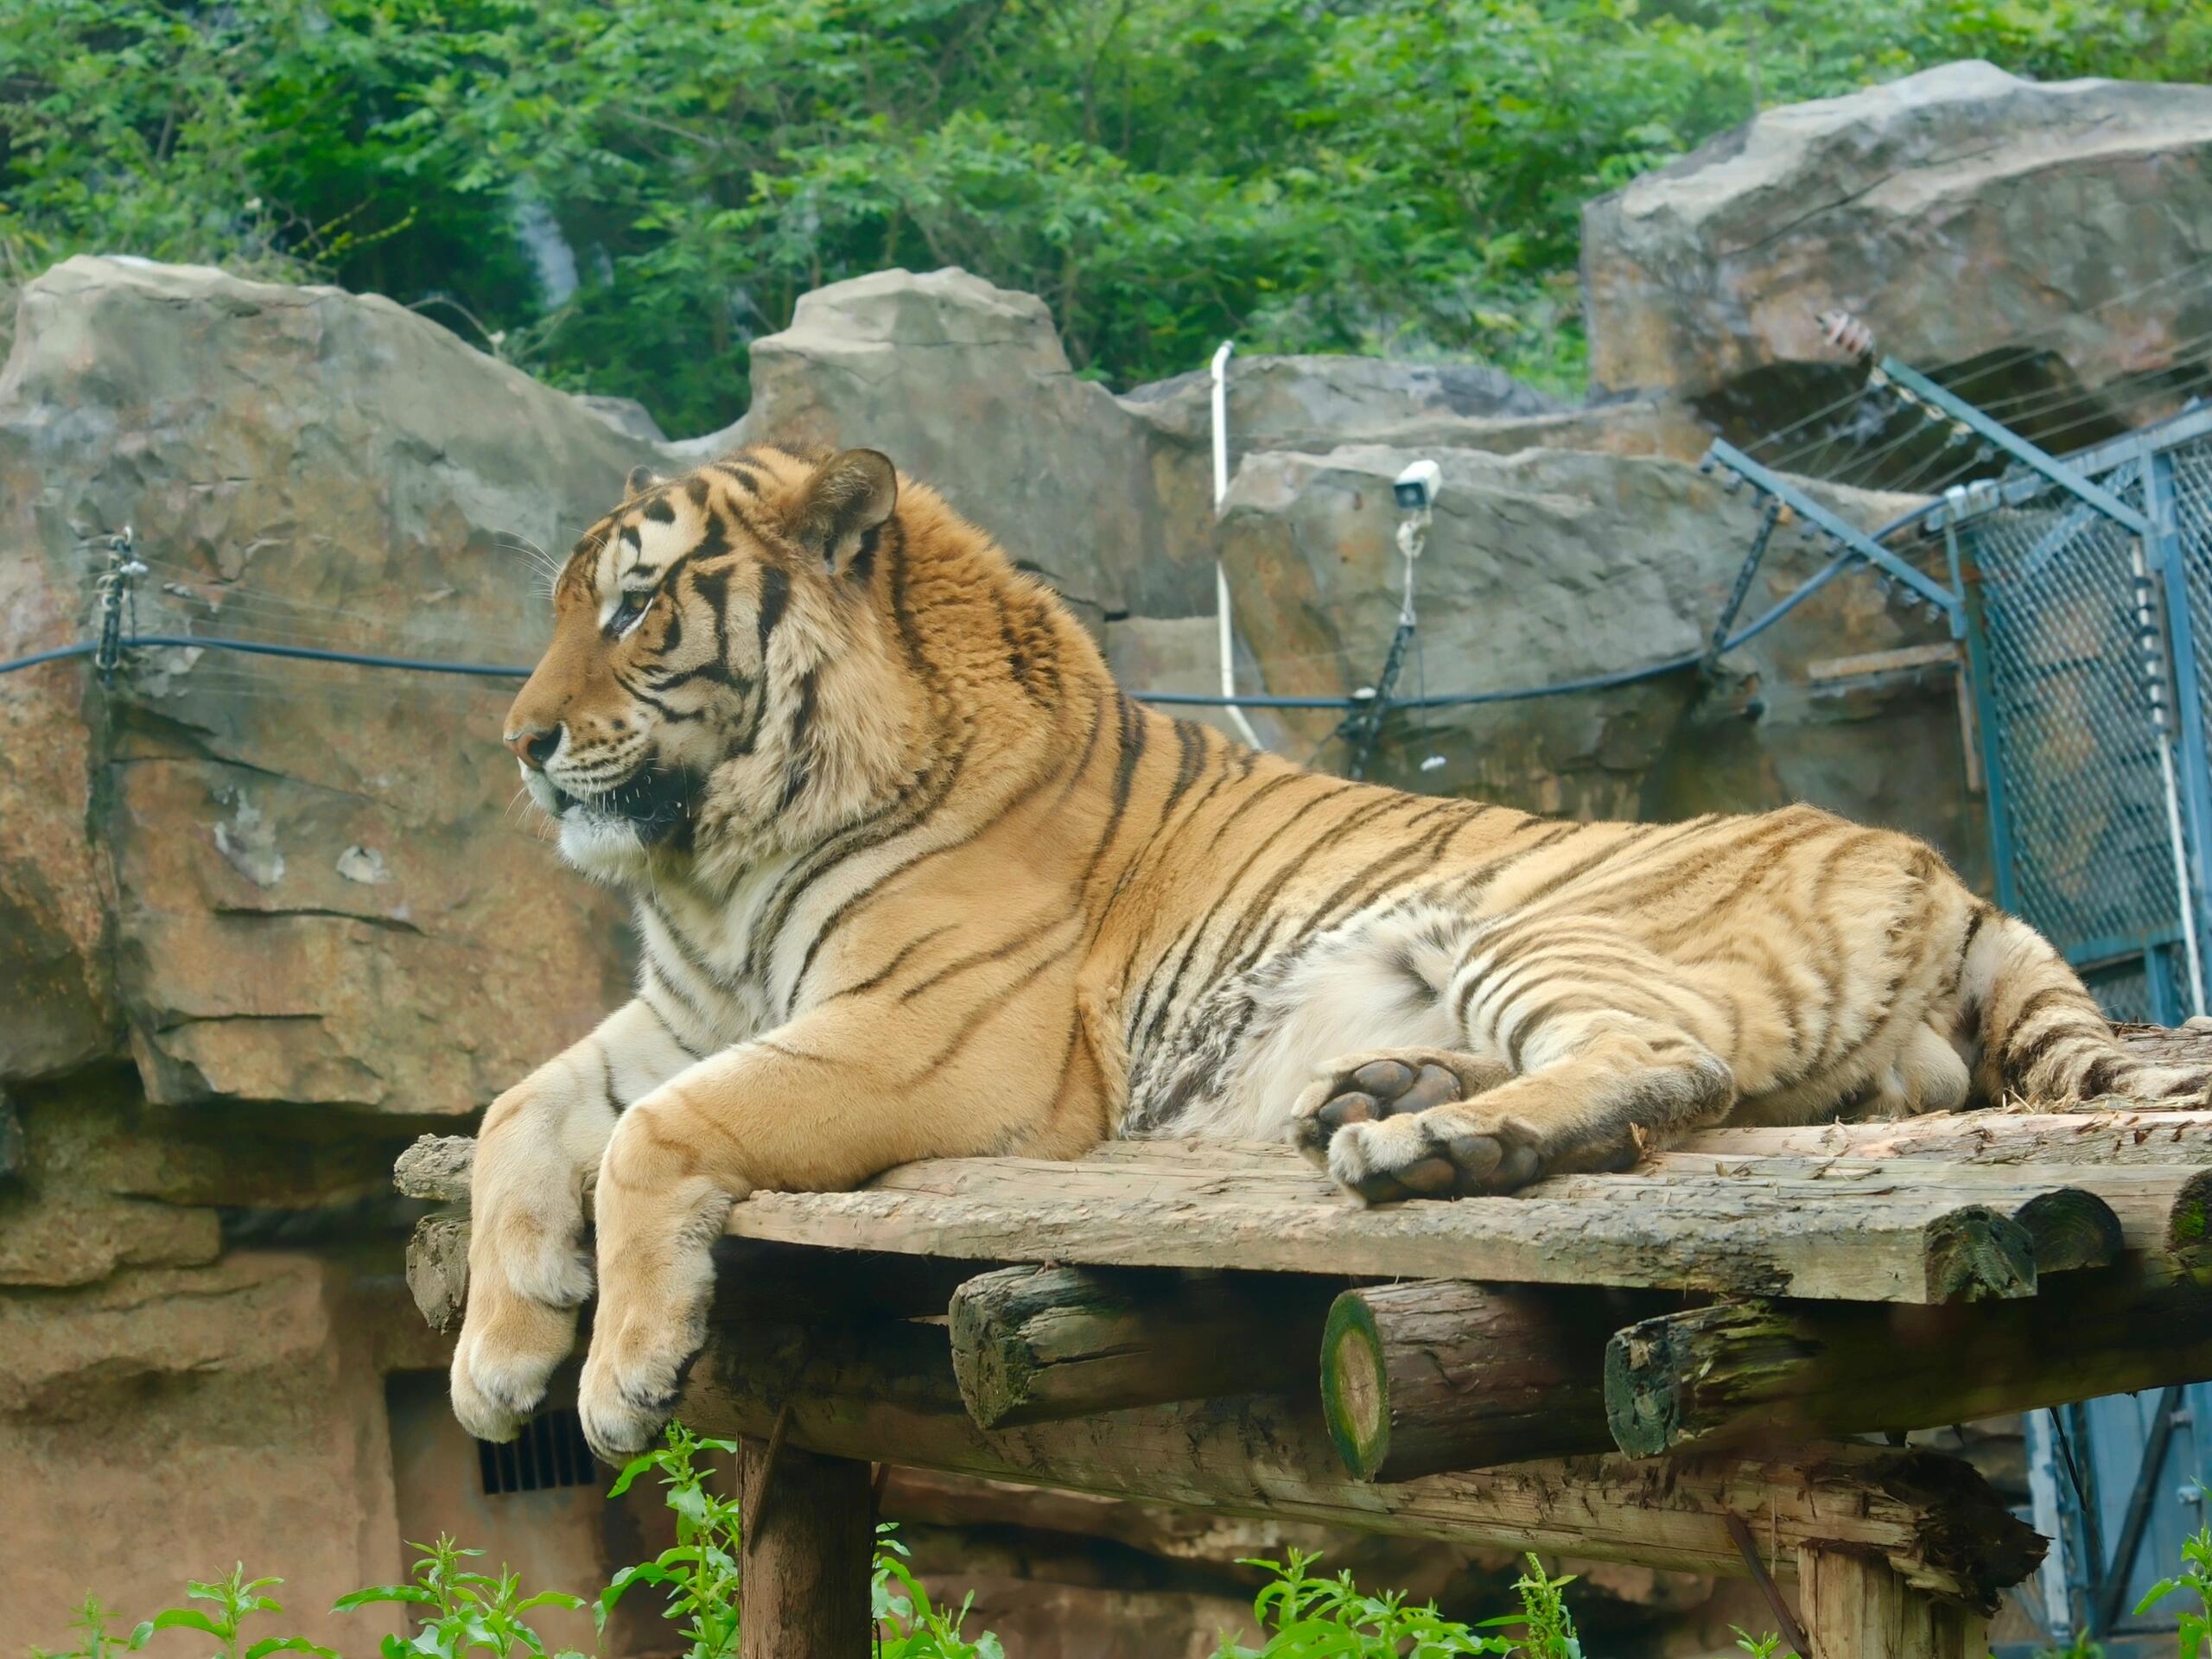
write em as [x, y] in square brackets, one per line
[117, 596]
[1852, 538]
[1917, 388]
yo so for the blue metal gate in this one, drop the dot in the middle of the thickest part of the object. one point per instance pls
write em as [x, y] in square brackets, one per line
[2083, 638]
[2080, 590]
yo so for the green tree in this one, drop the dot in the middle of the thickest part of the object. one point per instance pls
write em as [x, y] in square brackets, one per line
[1394, 175]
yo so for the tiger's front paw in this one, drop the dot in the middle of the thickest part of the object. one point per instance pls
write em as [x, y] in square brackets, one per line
[528, 1275]
[508, 1351]
[1396, 1125]
[632, 1377]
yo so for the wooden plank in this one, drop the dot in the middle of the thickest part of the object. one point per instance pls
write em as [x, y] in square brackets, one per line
[1906, 1212]
[1736, 1373]
[1904, 657]
[2101, 1138]
[2157, 1209]
[1197, 1205]
[887, 1392]
[1034, 1344]
[1856, 1607]
[808, 1551]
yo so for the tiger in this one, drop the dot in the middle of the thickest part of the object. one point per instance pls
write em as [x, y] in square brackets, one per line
[913, 878]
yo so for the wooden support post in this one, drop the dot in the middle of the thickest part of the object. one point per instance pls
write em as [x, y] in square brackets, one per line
[1042, 1344]
[1857, 1607]
[805, 1568]
[1739, 1371]
[1441, 1374]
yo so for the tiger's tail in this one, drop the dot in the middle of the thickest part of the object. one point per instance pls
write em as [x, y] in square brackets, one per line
[2042, 1038]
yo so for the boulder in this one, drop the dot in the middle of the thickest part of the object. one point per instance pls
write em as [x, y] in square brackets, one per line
[1548, 567]
[966, 386]
[284, 882]
[1110, 499]
[2070, 216]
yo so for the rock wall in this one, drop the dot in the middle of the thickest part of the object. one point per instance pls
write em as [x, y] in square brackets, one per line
[1548, 567]
[2042, 238]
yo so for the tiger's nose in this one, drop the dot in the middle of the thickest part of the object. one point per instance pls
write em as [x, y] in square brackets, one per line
[534, 745]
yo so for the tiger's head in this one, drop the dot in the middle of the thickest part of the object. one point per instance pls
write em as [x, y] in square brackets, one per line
[719, 682]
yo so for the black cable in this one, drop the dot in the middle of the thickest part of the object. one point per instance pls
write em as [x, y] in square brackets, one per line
[1169, 699]
[263, 648]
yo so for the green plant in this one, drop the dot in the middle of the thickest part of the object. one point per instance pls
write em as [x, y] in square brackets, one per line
[1546, 1631]
[466, 1611]
[93, 1641]
[236, 1598]
[700, 1570]
[908, 1625]
[2196, 1577]
[1760, 1647]
[1304, 1616]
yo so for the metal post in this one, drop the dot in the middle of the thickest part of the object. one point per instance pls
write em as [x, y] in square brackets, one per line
[2168, 559]
[1975, 633]
[1916, 388]
[2148, 642]
[1228, 630]
[1768, 519]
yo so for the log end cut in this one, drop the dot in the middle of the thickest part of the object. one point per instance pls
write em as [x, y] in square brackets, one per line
[1355, 1387]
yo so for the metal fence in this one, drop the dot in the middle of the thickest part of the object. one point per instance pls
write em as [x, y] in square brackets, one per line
[2082, 635]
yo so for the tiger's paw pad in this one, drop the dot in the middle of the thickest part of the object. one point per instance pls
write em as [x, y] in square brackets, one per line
[1371, 1088]
[1427, 1155]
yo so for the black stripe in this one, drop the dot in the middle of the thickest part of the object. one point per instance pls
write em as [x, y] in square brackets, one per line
[775, 594]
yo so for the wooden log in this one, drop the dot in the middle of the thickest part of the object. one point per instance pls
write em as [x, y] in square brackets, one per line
[806, 1561]
[1034, 1344]
[1744, 1372]
[887, 1392]
[1442, 1374]
[437, 1268]
[1857, 1607]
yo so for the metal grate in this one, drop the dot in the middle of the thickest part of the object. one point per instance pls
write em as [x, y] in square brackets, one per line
[2085, 848]
[549, 1453]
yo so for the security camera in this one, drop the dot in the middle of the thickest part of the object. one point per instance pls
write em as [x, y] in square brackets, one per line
[1418, 486]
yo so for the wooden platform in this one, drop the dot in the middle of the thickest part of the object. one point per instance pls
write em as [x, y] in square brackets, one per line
[1964, 1212]
[1222, 1329]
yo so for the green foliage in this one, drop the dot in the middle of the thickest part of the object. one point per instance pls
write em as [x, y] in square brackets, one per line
[1310, 1617]
[700, 1571]
[464, 1611]
[1400, 175]
[94, 1640]
[2196, 1578]
[908, 1626]
[235, 1598]
[460, 1612]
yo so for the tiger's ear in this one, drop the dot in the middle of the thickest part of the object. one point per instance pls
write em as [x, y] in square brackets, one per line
[641, 479]
[839, 509]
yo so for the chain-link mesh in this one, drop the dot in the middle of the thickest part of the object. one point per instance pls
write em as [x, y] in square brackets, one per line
[2091, 857]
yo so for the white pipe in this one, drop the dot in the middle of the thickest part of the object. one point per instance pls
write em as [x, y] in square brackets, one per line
[2154, 679]
[1228, 631]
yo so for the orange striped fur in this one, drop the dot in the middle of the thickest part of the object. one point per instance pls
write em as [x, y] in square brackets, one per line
[915, 879]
